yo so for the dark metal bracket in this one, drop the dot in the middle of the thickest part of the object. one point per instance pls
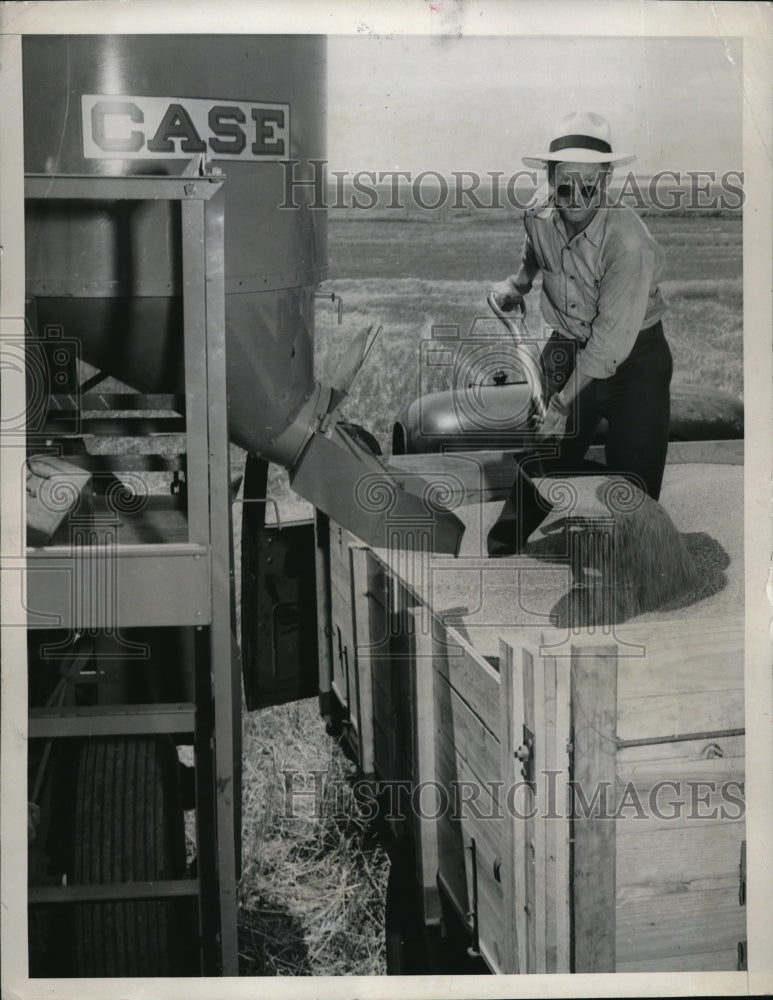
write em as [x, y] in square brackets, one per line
[526, 754]
[474, 950]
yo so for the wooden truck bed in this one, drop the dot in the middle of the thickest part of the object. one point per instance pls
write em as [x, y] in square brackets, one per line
[448, 669]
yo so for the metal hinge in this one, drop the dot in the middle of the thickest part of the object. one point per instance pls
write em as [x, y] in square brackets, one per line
[742, 867]
[743, 957]
[526, 753]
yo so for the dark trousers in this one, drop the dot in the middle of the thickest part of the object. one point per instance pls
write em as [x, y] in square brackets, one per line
[635, 402]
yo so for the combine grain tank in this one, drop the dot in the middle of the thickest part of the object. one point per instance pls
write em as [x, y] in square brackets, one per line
[173, 245]
[111, 275]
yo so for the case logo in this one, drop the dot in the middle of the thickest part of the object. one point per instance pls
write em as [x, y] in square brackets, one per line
[151, 128]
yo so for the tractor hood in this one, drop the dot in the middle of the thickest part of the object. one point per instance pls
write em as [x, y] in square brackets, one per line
[495, 417]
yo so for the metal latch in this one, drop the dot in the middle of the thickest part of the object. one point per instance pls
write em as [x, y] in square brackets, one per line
[333, 297]
[474, 950]
[525, 754]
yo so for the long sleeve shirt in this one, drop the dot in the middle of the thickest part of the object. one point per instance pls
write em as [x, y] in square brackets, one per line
[600, 286]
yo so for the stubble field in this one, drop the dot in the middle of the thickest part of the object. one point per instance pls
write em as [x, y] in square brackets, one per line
[313, 884]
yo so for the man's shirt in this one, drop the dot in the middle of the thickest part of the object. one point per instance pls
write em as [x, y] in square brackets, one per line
[599, 287]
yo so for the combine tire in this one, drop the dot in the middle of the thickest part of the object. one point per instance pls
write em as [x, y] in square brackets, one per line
[129, 827]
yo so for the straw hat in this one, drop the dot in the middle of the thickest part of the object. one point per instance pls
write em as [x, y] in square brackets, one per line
[581, 137]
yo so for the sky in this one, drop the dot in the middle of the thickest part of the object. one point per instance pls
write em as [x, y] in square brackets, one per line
[481, 103]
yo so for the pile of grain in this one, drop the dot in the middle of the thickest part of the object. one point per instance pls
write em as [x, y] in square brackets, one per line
[534, 590]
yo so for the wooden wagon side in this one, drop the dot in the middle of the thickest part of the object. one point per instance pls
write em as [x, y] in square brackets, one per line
[576, 804]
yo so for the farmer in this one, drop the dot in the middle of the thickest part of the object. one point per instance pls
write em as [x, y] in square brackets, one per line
[607, 356]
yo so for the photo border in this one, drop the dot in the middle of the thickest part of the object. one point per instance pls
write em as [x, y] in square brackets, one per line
[524, 17]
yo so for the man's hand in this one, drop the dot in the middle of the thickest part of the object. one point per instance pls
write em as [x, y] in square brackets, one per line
[507, 296]
[554, 424]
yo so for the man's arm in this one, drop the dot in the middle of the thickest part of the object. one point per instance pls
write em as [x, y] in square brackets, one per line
[511, 291]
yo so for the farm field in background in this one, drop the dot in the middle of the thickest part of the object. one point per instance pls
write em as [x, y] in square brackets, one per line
[312, 890]
[411, 275]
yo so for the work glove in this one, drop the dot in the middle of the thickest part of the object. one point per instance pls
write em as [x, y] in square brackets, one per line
[507, 297]
[554, 423]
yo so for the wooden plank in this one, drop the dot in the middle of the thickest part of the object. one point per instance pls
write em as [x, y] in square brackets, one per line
[548, 741]
[424, 766]
[646, 775]
[704, 961]
[678, 754]
[563, 826]
[361, 645]
[341, 640]
[381, 681]
[557, 833]
[513, 873]
[670, 925]
[679, 860]
[534, 825]
[537, 824]
[469, 674]
[680, 656]
[695, 712]
[454, 773]
[338, 569]
[651, 893]
[465, 730]
[455, 834]
[594, 735]
[690, 807]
